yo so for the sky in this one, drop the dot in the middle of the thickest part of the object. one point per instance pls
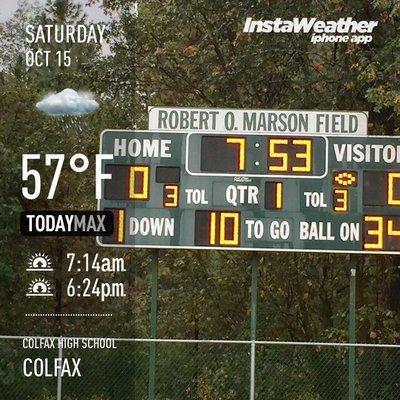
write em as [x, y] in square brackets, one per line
[7, 8]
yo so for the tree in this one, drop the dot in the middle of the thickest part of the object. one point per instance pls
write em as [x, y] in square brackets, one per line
[196, 54]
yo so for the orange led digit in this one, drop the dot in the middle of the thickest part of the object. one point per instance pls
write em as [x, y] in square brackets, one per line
[273, 195]
[121, 226]
[274, 154]
[306, 155]
[392, 176]
[340, 200]
[391, 230]
[213, 223]
[378, 245]
[242, 150]
[295, 157]
[136, 174]
[171, 196]
[279, 195]
[223, 220]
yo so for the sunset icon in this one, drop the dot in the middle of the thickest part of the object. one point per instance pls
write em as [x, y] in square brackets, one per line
[39, 287]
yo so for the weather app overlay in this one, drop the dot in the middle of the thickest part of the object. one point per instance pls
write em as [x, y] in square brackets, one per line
[199, 200]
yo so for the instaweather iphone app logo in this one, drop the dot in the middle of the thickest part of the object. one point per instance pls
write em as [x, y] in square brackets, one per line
[343, 30]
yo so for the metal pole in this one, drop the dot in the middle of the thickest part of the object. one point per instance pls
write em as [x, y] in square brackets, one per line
[59, 377]
[253, 324]
[153, 324]
[352, 327]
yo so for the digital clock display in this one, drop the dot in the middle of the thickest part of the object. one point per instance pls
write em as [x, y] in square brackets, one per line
[252, 191]
[257, 155]
[283, 155]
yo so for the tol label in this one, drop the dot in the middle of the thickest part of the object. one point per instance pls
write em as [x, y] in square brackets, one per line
[196, 196]
[315, 199]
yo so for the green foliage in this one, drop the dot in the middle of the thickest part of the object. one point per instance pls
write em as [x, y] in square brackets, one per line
[195, 54]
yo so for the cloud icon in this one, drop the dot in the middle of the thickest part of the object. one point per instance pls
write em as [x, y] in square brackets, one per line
[67, 102]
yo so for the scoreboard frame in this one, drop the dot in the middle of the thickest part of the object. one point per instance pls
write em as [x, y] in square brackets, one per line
[215, 133]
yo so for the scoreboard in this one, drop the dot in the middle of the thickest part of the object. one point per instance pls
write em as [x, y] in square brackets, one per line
[252, 191]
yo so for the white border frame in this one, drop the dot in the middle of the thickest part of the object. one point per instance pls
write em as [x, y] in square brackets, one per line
[255, 175]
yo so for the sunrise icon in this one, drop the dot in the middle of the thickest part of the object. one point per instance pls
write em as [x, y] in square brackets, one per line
[39, 262]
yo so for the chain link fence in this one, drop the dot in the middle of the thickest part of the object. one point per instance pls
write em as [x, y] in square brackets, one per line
[203, 370]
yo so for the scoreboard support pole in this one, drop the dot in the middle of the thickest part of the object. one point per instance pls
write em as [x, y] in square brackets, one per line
[153, 323]
[253, 323]
[352, 326]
